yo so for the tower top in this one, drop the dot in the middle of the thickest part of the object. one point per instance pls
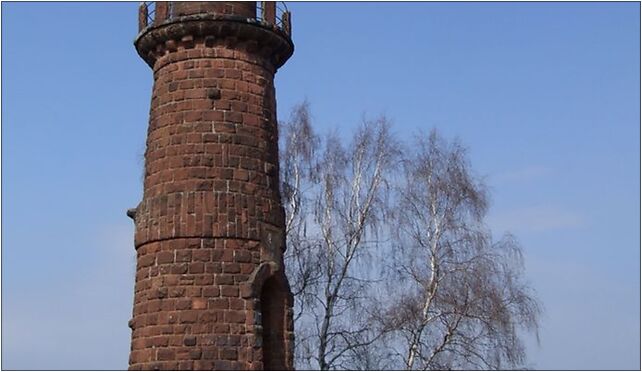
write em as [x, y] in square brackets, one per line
[164, 26]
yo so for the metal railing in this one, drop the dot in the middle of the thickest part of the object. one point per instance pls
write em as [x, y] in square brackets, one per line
[274, 12]
[150, 11]
[271, 12]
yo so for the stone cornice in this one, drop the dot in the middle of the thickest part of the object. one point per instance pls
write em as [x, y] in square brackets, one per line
[271, 42]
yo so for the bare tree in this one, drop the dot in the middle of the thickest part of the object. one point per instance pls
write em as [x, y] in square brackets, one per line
[335, 204]
[463, 298]
[299, 170]
[442, 296]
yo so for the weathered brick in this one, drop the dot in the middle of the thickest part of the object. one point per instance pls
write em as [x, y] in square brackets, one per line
[219, 303]
[165, 354]
[165, 257]
[231, 268]
[199, 303]
[188, 316]
[228, 353]
[146, 260]
[211, 291]
[203, 255]
[229, 291]
[183, 255]
[189, 341]
[210, 178]
[196, 268]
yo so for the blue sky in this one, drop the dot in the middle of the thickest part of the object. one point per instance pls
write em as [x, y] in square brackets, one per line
[545, 95]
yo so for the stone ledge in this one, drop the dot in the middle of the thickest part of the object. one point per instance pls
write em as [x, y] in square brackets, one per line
[273, 44]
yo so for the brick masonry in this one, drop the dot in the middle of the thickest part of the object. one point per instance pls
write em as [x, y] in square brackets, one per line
[210, 288]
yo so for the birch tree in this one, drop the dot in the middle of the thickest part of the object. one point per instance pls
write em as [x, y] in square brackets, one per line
[389, 259]
[334, 195]
[299, 167]
[464, 298]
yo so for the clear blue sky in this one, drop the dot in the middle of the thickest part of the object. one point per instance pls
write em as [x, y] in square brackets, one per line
[545, 95]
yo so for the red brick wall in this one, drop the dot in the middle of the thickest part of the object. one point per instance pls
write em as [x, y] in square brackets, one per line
[211, 214]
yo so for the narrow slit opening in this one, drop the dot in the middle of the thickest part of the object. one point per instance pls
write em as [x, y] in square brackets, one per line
[273, 305]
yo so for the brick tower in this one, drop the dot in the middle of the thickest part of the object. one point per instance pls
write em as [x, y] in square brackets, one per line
[210, 290]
